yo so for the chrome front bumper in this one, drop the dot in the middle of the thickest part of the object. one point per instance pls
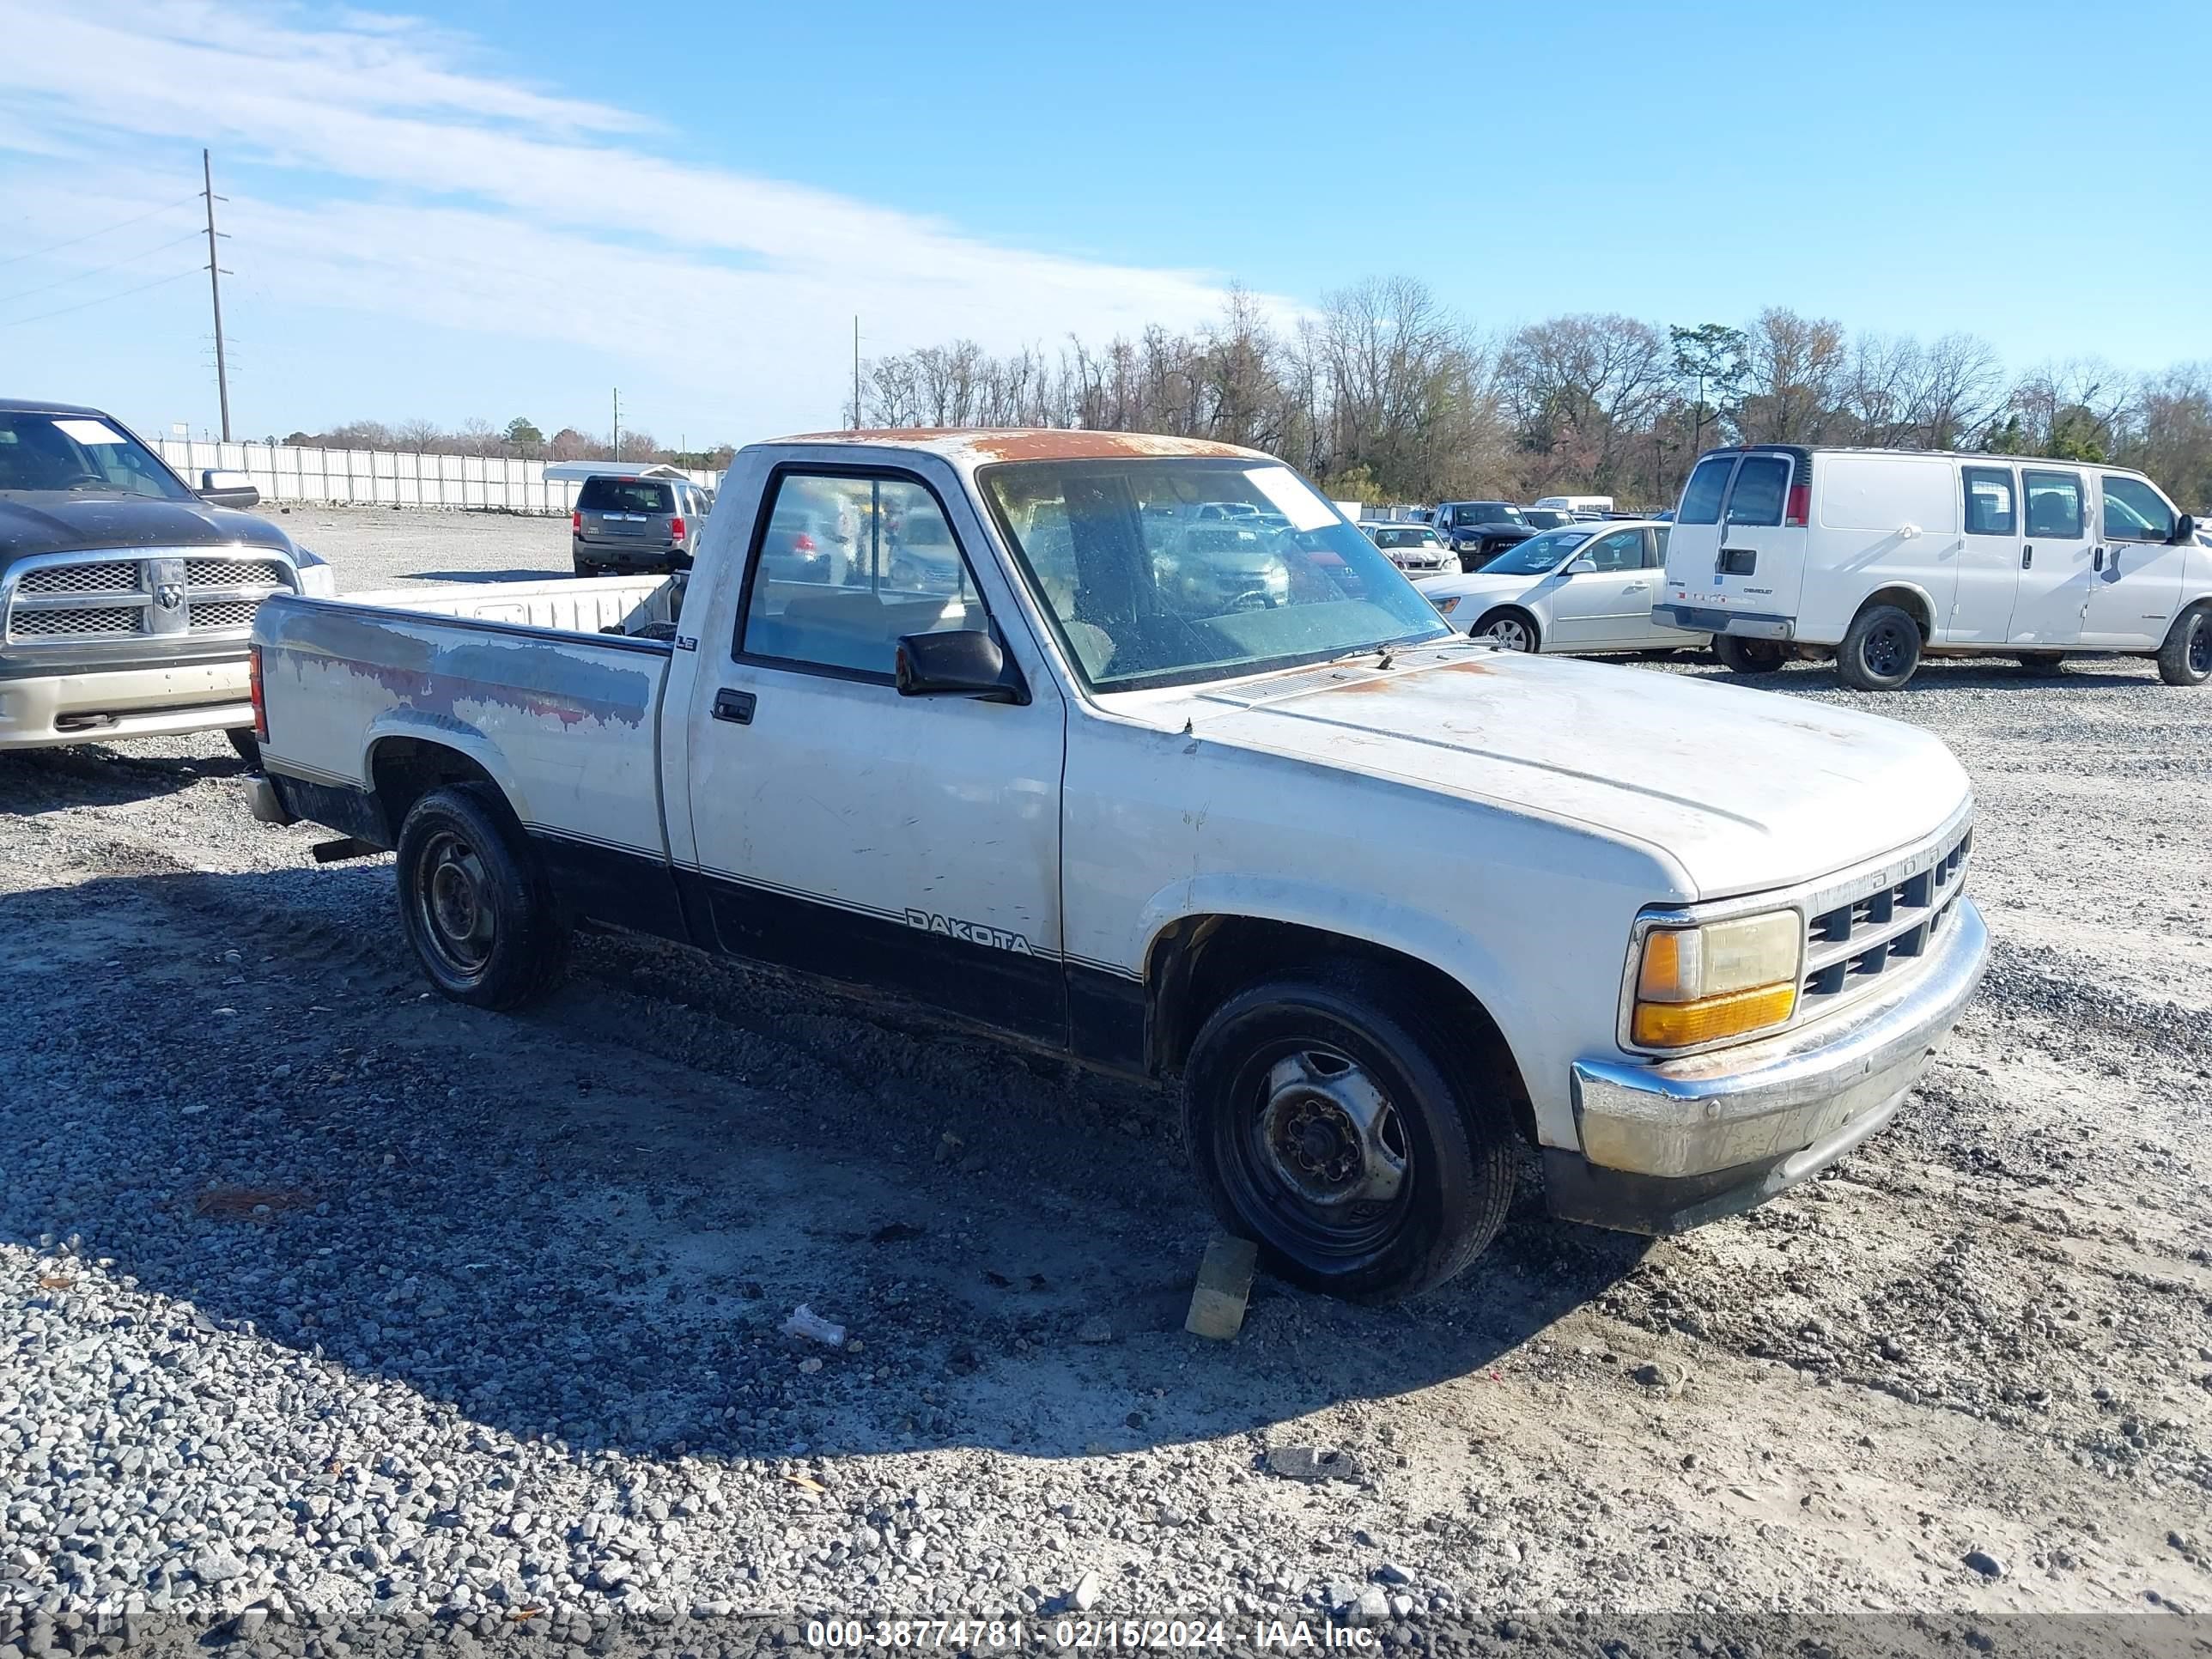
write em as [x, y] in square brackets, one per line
[1723, 1130]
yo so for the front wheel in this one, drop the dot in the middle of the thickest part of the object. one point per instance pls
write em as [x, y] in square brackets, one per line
[1334, 1124]
[2185, 658]
[1509, 630]
[474, 902]
[1879, 651]
[1743, 656]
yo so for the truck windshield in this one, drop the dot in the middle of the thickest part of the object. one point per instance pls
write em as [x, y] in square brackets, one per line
[79, 455]
[1170, 570]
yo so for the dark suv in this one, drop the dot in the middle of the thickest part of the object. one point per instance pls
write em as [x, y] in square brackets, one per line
[632, 523]
[1479, 531]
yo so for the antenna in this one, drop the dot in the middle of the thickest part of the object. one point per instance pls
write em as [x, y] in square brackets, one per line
[215, 292]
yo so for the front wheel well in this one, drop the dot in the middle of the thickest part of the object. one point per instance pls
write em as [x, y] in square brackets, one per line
[1911, 601]
[1528, 617]
[1199, 962]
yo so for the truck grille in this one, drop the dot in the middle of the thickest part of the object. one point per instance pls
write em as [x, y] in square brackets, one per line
[167, 594]
[76, 625]
[108, 576]
[1850, 943]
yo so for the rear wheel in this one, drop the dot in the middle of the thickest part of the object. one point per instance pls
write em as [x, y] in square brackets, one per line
[2185, 658]
[1880, 649]
[1510, 631]
[1743, 656]
[247, 745]
[1330, 1121]
[474, 902]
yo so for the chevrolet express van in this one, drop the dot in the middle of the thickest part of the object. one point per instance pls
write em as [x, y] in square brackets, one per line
[1884, 556]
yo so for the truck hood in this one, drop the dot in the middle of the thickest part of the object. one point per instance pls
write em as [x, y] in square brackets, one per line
[54, 521]
[1745, 790]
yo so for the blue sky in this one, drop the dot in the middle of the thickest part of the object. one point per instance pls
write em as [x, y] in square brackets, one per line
[509, 208]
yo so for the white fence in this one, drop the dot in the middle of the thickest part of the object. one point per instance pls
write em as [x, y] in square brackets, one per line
[385, 477]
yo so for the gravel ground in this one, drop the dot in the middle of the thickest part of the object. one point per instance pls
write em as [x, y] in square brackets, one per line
[330, 1302]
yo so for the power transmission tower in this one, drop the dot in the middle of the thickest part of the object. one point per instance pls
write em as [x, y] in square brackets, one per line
[215, 292]
[856, 373]
[616, 454]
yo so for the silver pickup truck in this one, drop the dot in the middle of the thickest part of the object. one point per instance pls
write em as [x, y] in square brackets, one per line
[1239, 810]
[126, 596]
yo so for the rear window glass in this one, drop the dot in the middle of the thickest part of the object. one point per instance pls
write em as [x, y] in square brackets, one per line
[1991, 508]
[1760, 484]
[624, 496]
[2054, 504]
[1701, 496]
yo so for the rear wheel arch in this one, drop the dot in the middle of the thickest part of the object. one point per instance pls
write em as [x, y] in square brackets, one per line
[402, 769]
[1913, 601]
[1199, 962]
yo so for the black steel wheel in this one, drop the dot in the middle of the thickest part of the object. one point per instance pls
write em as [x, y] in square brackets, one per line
[473, 901]
[1741, 656]
[2185, 658]
[1880, 649]
[1331, 1124]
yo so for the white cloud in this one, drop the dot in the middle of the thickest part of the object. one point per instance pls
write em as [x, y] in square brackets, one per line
[429, 187]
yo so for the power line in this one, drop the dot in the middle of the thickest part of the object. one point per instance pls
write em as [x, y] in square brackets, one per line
[17, 322]
[97, 270]
[123, 224]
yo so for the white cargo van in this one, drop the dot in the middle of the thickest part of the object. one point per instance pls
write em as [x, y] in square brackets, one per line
[1580, 507]
[1886, 555]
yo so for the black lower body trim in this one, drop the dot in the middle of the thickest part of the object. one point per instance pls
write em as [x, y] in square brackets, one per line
[355, 813]
[1576, 1189]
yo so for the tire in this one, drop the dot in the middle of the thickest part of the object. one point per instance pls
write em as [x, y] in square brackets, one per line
[247, 745]
[1296, 1048]
[1743, 656]
[2185, 658]
[474, 902]
[1513, 631]
[1880, 649]
[2042, 662]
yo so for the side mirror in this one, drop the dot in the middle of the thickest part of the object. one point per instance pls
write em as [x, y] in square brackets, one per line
[965, 662]
[2184, 532]
[1582, 567]
[226, 489]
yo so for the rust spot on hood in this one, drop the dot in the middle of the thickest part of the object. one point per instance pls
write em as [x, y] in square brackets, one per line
[1036, 444]
[1477, 665]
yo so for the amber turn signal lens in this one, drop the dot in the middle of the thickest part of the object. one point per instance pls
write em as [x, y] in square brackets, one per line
[1685, 1024]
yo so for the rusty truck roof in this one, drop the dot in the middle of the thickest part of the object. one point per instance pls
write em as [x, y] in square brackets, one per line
[981, 445]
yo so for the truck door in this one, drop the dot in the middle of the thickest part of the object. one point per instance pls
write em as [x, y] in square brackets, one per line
[2054, 559]
[910, 843]
[2134, 575]
[1989, 558]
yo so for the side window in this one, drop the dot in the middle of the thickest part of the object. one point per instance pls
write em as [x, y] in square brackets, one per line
[2134, 512]
[1701, 496]
[1760, 483]
[1654, 551]
[1991, 508]
[2054, 504]
[845, 568]
[1621, 550]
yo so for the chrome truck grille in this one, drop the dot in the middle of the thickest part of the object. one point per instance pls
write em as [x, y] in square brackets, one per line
[1855, 937]
[61, 599]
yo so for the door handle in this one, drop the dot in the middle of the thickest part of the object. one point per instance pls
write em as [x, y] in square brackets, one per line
[2027, 558]
[2097, 559]
[1635, 587]
[735, 707]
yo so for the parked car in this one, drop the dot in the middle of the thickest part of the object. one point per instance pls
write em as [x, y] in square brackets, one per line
[1692, 941]
[1479, 531]
[1218, 568]
[923, 558]
[1546, 518]
[1884, 556]
[805, 542]
[126, 595]
[1588, 587]
[1413, 548]
[1582, 507]
[633, 522]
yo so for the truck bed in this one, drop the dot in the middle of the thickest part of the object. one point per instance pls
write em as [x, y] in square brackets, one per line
[515, 675]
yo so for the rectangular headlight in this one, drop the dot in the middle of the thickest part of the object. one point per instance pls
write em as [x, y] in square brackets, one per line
[1720, 979]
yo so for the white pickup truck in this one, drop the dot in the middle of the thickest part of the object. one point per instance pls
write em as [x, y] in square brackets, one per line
[1226, 806]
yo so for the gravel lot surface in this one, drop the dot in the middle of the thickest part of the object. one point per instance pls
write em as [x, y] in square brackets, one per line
[324, 1299]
